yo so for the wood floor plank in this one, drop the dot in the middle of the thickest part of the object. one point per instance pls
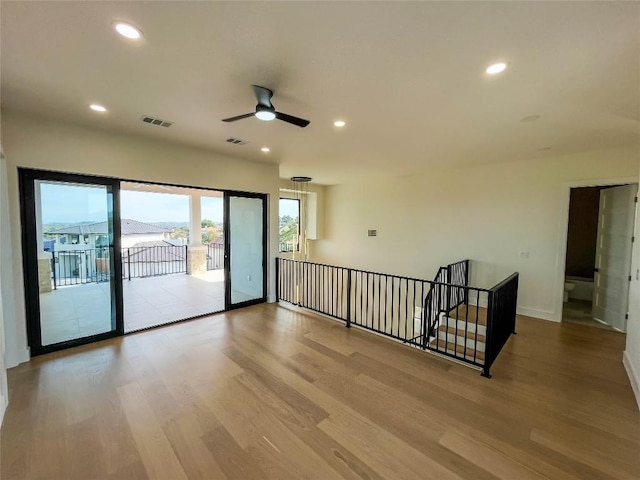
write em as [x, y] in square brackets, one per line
[388, 455]
[290, 395]
[488, 459]
[574, 444]
[235, 462]
[152, 444]
[341, 459]
[185, 436]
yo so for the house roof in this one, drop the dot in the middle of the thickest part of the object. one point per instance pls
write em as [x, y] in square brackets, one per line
[128, 227]
[154, 252]
[407, 77]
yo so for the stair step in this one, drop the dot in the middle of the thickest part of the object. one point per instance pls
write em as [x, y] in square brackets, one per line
[460, 332]
[461, 314]
[448, 347]
[460, 341]
[462, 325]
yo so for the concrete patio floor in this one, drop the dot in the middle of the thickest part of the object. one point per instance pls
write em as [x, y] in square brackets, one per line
[83, 310]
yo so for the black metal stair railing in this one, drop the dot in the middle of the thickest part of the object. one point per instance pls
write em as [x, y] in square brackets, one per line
[446, 315]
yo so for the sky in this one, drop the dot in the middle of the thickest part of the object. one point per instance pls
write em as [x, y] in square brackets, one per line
[288, 207]
[74, 204]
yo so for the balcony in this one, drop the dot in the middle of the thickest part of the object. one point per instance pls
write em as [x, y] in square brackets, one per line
[156, 290]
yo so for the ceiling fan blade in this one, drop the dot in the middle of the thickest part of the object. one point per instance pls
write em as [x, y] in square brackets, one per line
[300, 122]
[239, 117]
[263, 95]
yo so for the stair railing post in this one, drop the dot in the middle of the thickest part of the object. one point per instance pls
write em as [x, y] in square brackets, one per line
[427, 328]
[348, 325]
[466, 282]
[488, 354]
[277, 279]
[53, 269]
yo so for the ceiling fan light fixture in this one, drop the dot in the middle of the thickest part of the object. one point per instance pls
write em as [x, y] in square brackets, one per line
[265, 115]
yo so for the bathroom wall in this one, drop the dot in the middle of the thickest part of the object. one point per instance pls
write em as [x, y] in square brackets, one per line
[583, 230]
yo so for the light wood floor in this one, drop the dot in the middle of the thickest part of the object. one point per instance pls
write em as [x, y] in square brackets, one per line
[272, 393]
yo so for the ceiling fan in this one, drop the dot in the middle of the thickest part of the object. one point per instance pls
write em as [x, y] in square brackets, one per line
[266, 111]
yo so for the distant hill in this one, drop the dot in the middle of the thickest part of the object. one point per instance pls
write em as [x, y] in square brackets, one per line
[170, 224]
[47, 227]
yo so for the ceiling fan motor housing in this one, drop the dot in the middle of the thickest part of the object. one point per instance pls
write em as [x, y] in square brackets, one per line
[262, 108]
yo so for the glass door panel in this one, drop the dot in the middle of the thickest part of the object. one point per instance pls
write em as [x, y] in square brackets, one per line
[246, 249]
[70, 259]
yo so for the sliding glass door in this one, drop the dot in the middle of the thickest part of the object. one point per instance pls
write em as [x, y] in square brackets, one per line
[71, 259]
[179, 253]
[246, 281]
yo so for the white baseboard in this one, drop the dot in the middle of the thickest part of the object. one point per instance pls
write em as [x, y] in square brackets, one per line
[533, 312]
[530, 312]
[3, 408]
[634, 377]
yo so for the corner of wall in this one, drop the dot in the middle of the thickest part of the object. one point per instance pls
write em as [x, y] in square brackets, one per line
[3, 408]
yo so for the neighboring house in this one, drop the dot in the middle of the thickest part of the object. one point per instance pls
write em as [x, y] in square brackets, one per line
[97, 234]
[81, 253]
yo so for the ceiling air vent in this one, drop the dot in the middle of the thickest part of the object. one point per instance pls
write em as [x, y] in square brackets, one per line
[155, 121]
[236, 141]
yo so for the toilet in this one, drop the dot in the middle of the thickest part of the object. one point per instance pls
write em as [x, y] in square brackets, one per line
[568, 288]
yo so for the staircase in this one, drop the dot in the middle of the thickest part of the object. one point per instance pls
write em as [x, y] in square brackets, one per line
[461, 333]
[439, 315]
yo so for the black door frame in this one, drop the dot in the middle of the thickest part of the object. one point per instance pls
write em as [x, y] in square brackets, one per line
[227, 248]
[27, 179]
[27, 176]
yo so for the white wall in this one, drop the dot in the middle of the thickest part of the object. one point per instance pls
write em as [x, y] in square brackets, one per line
[6, 290]
[130, 240]
[489, 214]
[631, 357]
[52, 145]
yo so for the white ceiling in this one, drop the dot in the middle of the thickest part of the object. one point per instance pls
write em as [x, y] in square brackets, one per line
[407, 77]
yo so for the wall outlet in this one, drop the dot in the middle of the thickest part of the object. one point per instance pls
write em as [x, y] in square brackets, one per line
[524, 254]
[372, 233]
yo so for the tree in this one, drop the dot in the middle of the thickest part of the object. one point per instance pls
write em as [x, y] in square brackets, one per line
[180, 232]
[285, 220]
[207, 223]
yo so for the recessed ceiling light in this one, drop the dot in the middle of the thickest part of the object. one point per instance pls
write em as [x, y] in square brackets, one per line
[265, 149]
[127, 30]
[339, 123]
[496, 68]
[97, 108]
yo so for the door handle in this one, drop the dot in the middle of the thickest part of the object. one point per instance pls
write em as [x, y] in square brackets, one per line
[596, 270]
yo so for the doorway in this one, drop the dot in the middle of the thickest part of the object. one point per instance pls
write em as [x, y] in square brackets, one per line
[598, 255]
[178, 253]
[172, 253]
